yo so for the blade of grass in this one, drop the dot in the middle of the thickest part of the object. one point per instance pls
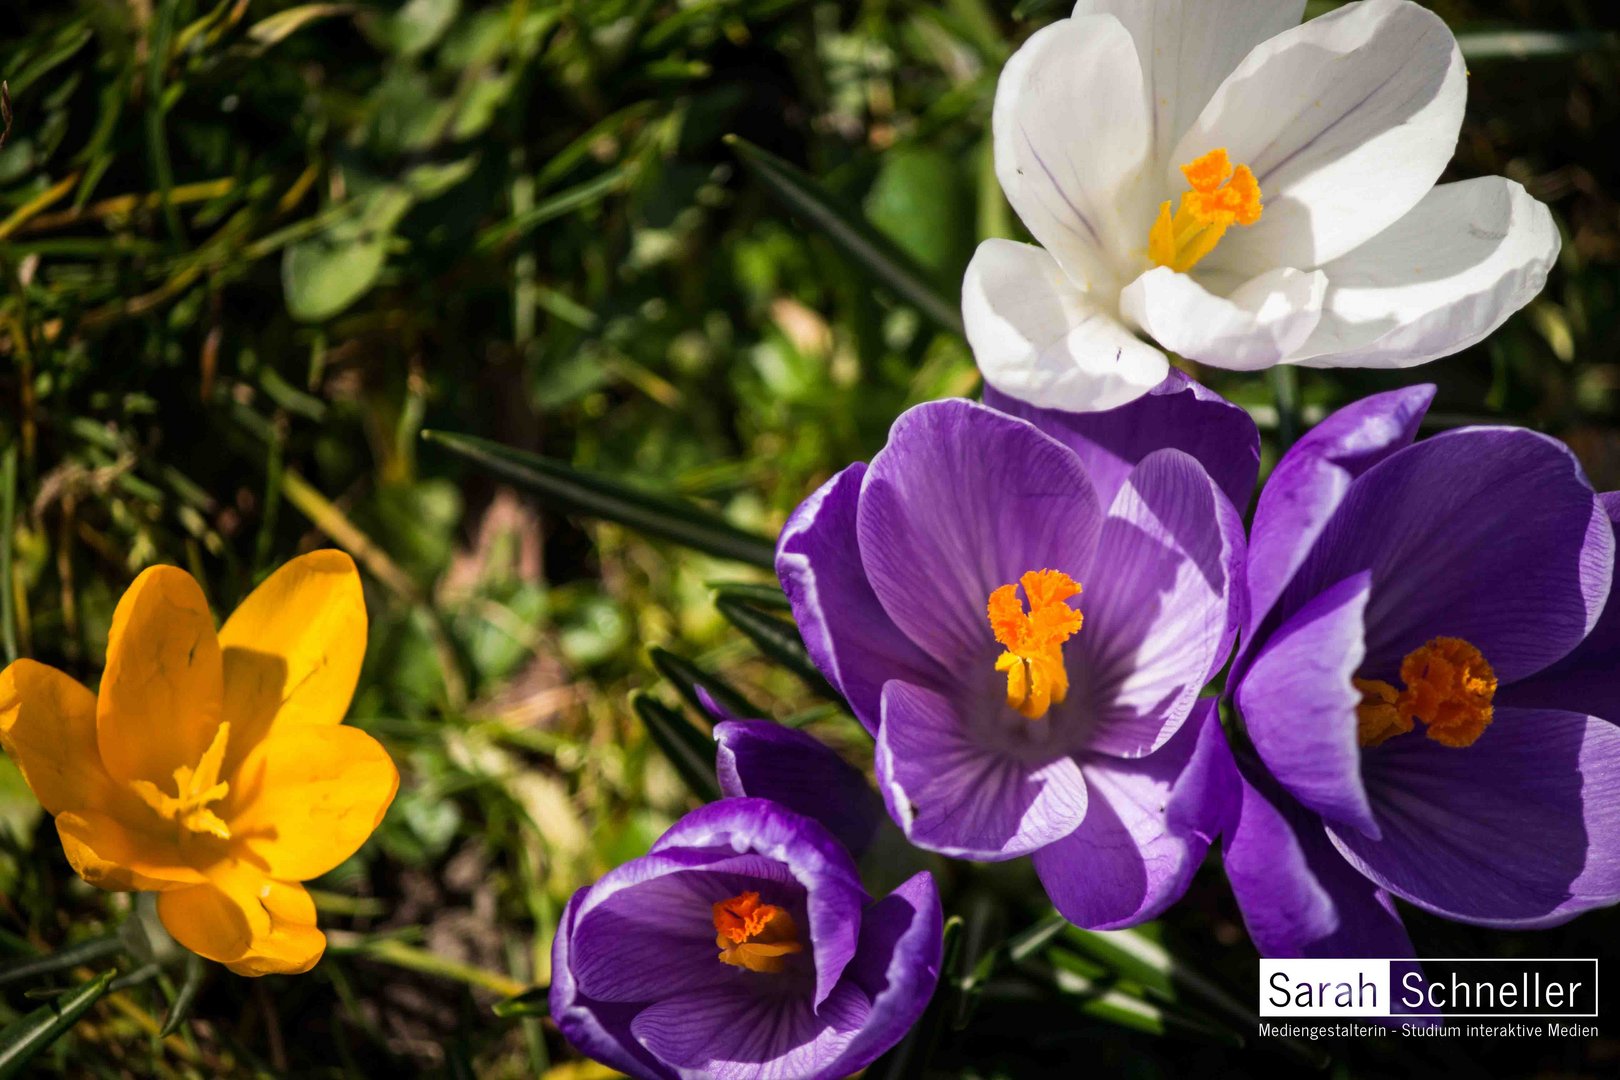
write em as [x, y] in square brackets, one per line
[688, 751]
[686, 677]
[61, 960]
[8, 513]
[865, 245]
[25, 1037]
[574, 490]
[779, 640]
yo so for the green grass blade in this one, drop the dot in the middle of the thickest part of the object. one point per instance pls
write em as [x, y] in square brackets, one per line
[196, 972]
[865, 245]
[574, 490]
[688, 751]
[8, 525]
[25, 1037]
[686, 677]
[61, 960]
[779, 640]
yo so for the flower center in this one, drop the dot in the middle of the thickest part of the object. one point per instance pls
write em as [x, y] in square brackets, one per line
[752, 935]
[1036, 679]
[1449, 686]
[195, 789]
[1221, 197]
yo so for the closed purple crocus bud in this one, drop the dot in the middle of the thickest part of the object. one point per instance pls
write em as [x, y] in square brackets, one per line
[743, 945]
[1023, 609]
[1429, 691]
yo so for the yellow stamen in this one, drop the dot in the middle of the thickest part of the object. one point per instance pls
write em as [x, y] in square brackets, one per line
[1221, 197]
[752, 935]
[1449, 686]
[1033, 662]
[195, 789]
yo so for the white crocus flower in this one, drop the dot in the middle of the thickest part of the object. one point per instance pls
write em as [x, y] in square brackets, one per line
[1209, 178]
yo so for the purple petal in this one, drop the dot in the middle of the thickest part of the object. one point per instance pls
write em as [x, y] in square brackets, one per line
[1178, 413]
[600, 1030]
[846, 631]
[962, 501]
[897, 967]
[1299, 704]
[954, 791]
[1159, 618]
[1522, 828]
[1297, 895]
[1588, 679]
[763, 759]
[1149, 822]
[834, 897]
[1487, 534]
[1309, 483]
[735, 1032]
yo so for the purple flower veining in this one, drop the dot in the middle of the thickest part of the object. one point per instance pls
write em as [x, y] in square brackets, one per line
[742, 946]
[1429, 689]
[1023, 607]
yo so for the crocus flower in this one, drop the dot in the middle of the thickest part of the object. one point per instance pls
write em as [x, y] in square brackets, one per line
[1023, 611]
[1416, 733]
[1207, 178]
[743, 945]
[212, 769]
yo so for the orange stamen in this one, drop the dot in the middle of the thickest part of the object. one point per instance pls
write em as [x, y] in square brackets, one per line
[1449, 686]
[1221, 196]
[1033, 662]
[752, 935]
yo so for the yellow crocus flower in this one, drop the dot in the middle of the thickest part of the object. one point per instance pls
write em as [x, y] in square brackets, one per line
[213, 769]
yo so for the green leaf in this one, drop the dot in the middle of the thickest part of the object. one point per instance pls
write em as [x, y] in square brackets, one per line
[581, 492]
[779, 640]
[196, 972]
[8, 511]
[921, 202]
[685, 746]
[325, 273]
[283, 24]
[686, 677]
[25, 1037]
[765, 596]
[1103, 999]
[61, 960]
[535, 1001]
[865, 245]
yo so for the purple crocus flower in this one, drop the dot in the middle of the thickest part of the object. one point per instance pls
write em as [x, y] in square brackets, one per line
[743, 945]
[1414, 682]
[1023, 610]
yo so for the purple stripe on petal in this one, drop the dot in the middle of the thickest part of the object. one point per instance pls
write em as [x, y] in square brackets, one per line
[1588, 679]
[1149, 822]
[1522, 828]
[736, 1032]
[1159, 618]
[848, 634]
[897, 967]
[1309, 483]
[952, 792]
[962, 501]
[1487, 534]
[834, 896]
[1178, 413]
[600, 1030]
[1299, 704]
[1297, 895]
[763, 759]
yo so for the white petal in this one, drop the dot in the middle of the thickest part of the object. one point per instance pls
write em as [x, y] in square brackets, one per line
[1187, 47]
[1257, 325]
[1071, 134]
[1040, 339]
[1347, 121]
[1438, 280]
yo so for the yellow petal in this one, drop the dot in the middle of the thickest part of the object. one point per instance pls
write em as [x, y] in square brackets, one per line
[48, 727]
[306, 798]
[251, 923]
[293, 649]
[160, 697]
[110, 855]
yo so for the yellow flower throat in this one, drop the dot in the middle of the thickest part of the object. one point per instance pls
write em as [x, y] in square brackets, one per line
[1033, 662]
[1449, 686]
[1221, 197]
[195, 789]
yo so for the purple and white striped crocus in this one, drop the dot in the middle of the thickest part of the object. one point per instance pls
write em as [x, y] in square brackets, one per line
[1430, 717]
[1023, 606]
[743, 945]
